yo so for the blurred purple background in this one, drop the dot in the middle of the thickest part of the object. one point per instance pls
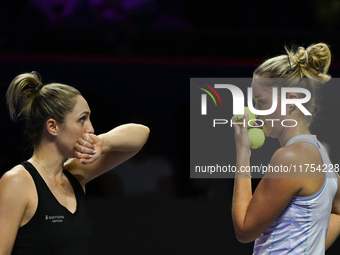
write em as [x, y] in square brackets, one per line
[166, 27]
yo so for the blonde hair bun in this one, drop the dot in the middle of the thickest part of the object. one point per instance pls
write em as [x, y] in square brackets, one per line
[312, 62]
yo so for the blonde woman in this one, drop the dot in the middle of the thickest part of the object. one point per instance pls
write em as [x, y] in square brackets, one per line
[299, 214]
[42, 200]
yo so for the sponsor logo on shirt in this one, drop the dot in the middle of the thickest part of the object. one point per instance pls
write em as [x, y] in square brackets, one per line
[55, 219]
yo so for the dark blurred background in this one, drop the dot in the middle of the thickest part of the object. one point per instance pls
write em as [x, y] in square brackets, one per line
[132, 60]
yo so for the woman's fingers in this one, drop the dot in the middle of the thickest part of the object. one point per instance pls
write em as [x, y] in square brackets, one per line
[243, 127]
[88, 148]
[81, 149]
[86, 141]
[84, 148]
[236, 126]
[241, 133]
[84, 155]
[89, 159]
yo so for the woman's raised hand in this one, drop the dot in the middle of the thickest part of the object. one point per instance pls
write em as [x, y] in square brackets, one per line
[88, 148]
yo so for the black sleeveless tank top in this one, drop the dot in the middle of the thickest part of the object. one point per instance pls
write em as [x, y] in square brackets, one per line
[54, 230]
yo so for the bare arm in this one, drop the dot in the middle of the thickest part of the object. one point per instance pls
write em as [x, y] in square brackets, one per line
[334, 221]
[13, 203]
[242, 186]
[333, 230]
[253, 214]
[115, 147]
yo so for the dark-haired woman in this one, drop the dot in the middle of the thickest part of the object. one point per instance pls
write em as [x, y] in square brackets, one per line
[42, 200]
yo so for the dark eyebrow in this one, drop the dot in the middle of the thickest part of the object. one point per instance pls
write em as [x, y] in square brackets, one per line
[85, 113]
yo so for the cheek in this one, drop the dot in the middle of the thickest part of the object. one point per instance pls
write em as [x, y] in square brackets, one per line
[73, 133]
[277, 113]
[76, 134]
[70, 140]
[272, 123]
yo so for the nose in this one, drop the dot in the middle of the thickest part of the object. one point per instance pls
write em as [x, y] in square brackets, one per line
[257, 108]
[89, 128]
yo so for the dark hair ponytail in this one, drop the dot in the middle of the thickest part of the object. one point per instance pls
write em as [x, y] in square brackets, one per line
[28, 99]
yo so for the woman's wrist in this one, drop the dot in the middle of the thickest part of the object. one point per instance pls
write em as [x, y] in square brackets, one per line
[105, 147]
[243, 167]
[242, 174]
[242, 161]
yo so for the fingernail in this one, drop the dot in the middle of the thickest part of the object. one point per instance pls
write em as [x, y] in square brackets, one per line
[90, 156]
[94, 152]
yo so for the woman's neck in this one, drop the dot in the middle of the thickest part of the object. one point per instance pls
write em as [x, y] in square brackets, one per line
[289, 133]
[49, 158]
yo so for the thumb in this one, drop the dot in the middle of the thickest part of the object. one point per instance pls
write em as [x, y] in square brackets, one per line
[88, 138]
[93, 137]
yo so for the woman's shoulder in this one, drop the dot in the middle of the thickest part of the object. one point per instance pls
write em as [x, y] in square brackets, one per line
[285, 155]
[298, 159]
[300, 152]
[17, 176]
[15, 185]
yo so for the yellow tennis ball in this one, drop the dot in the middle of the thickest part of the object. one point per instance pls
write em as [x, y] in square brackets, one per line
[252, 117]
[256, 137]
